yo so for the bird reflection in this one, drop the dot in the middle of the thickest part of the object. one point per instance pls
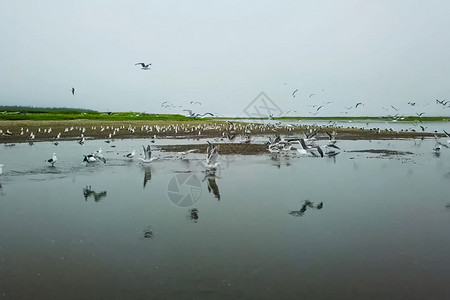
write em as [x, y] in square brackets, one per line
[147, 175]
[193, 215]
[212, 185]
[280, 159]
[148, 232]
[88, 192]
[306, 204]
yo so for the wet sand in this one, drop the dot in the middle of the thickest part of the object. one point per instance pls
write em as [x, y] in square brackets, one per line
[72, 130]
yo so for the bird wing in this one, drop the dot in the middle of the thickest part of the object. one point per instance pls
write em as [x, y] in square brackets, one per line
[303, 144]
[145, 152]
[213, 154]
[447, 134]
[149, 151]
[142, 64]
[333, 146]
[320, 151]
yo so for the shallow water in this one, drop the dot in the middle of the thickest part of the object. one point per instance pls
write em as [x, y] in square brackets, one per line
[382, 232]
[417, 125]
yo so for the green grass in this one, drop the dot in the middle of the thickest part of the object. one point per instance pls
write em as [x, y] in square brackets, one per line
[62, 113]
[58, 116]
[363, 118]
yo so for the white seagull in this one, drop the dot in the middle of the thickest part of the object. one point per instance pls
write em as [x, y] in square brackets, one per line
[99, 155]
[1, 169]
[309, 149]
[53, 159]
[89, 159]
[212, 154]
[147, 155]
[130, 155]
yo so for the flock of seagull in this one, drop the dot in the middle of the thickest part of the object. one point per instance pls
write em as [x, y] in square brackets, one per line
[306, 145]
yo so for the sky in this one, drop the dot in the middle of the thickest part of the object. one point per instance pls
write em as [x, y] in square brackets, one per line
[225, 53]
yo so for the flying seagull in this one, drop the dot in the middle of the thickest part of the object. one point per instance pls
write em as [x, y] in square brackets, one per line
[212, 154]
[73, 91]
[358, 104]
[293, 94]
[144, 66]
[147, 155]
[313, 150]
[195, 115]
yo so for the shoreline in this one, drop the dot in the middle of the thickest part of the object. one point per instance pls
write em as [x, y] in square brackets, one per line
[45, 131]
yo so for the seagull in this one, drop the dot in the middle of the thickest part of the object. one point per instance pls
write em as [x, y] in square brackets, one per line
[147, 155]
[195, 115]
[89, 159]
[293, 94]
[1, 168]
[99, 155]
[144, 66]
[310, 95]
[188, 151]
[212, 154]
[358, 104]
[130, 155]
[52, 160]
[313, 149]
[190, 112]
[205, 114]
[73, 91]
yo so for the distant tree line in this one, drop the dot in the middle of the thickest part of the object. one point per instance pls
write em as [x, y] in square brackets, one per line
[31, 109]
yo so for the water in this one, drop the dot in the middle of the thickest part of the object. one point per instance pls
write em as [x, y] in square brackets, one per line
[382, 232]
[428, 127]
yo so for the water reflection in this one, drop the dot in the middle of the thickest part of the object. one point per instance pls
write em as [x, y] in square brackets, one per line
[147, 175]
[148, 232]
[306, 204]
[212, 185]
[193, 215]
[88, 192]
[280, 159]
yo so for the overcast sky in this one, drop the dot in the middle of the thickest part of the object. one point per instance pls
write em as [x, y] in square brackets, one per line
[224, 53]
